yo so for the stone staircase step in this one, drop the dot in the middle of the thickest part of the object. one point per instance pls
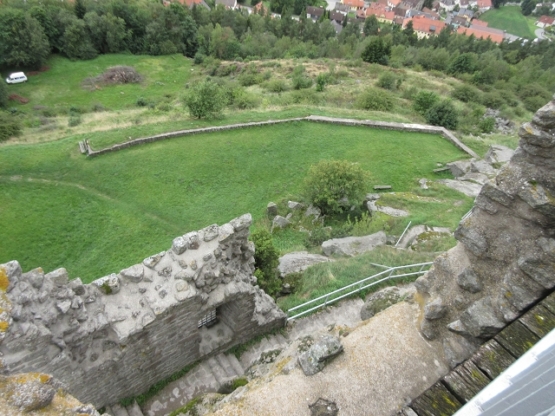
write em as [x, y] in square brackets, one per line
[119, 410]
[226, 365]
[206, 380]
[236, 365]
[219, 373]
[108, 410]
[134, 410]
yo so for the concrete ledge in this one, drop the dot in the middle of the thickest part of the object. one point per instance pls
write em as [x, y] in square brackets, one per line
[419, 128]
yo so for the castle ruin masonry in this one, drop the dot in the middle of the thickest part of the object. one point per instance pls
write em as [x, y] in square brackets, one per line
[122, 333]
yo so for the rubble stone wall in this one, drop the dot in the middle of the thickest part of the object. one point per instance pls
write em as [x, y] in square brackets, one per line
[122, 333]
[504, 261]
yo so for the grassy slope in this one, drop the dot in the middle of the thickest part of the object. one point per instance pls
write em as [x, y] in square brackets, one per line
[60, 87]
[135, 201]
[510, 19]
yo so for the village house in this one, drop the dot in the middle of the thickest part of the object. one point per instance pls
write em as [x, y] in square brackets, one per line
[191, 3]
[337, 17]
[425, 27]
[484, 5]
[342, 8]
[447, 5]
[354, 5]
[228, 4]
[545, 21]
[314, 13]
[482, 32]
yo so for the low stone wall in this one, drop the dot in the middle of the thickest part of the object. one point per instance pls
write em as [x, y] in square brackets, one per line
[420, 128]
[122, 333]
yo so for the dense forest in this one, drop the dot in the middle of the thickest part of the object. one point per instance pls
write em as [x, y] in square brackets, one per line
[30, 31]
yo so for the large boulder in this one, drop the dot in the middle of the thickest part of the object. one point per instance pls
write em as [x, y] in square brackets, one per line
[314, 359]
[498, 154]
[383, 299]
[351, 246]
[298, 261]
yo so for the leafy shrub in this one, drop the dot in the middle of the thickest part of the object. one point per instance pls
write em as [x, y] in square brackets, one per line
[486, 125]
[142, 102]
[276, 85]
[493, 100]
[205, 100]
[74, 120]
[424, 100]
[317, 236]
[199, 58]
[443, 114]
[294, 280]
[374, 99]
[3, 95]
[321, 81]
[244, 100]
[9, 127]
[533, 104]
[335, 185]
[301, 82]
[466, 93]
[246, 79]
[98, 108]
[266, 260]
[389, 81]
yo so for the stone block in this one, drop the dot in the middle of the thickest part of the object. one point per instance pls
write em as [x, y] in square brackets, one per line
[469, 281]
[59, 277]
[481, 319]
[134, 273]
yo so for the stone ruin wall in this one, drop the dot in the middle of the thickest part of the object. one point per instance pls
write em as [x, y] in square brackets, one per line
[122, 333]
[504, 261]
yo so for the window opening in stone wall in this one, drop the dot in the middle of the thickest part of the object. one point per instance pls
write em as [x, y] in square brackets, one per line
[208, 320]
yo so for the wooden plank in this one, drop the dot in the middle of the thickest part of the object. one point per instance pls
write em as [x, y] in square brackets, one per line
[443, 169]
[436, 401]
[466, 381]
[549, 303]
[492, 359]
[382, 187]
[517, 339]
[539, 320]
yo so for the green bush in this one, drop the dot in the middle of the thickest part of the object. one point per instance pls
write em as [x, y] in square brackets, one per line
[443, 114]
[493, 100]
[424, 100]
[389, 81]
[533, 104]
[486, 125]
[466, 93]
[9, 126]
[205, 100]
[74, 120]
[374, 99]
[317, 236]
[3, 95]
[321, 81]
[276, 85]
[335, 185]
[244, 100]
[266, 260]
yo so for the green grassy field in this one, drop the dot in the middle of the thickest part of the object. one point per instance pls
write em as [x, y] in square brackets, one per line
[511, 19]
[61, 86]
[97, 216]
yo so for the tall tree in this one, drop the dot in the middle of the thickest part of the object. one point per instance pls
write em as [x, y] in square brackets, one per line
[527, 7]
[377, 51]
[371, 26]
[80, 9]
[22, 40]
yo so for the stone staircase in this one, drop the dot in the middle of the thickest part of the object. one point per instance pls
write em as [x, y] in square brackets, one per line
[208, 376]
[255, 353]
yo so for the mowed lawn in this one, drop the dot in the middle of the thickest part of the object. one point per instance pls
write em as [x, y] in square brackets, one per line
[511, 19]
[96, 216]
[61, 86]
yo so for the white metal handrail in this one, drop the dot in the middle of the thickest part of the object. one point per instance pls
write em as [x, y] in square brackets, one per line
[325, 299]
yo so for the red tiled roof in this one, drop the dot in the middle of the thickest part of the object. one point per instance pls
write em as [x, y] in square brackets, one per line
[484, 3]
[375, 9]
[190, 3]
[354, 3]
[425, 25]
[546, 20]
[482, 33]
[477, 22]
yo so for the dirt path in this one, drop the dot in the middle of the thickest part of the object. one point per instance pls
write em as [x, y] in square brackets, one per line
[98, 194]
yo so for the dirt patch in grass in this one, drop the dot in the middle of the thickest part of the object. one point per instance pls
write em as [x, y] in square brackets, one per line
[120, 74]
[18, 98]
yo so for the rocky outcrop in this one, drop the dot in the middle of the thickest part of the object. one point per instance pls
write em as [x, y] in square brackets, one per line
[36, 393]
[505, 258]
[314, 359]
[351, 246]
[299, 261]
[122, 333]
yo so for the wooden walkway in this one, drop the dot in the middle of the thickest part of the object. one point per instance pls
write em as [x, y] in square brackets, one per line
[452, 392]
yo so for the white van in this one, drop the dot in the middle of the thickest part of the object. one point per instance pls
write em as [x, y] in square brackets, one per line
[16, 78]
